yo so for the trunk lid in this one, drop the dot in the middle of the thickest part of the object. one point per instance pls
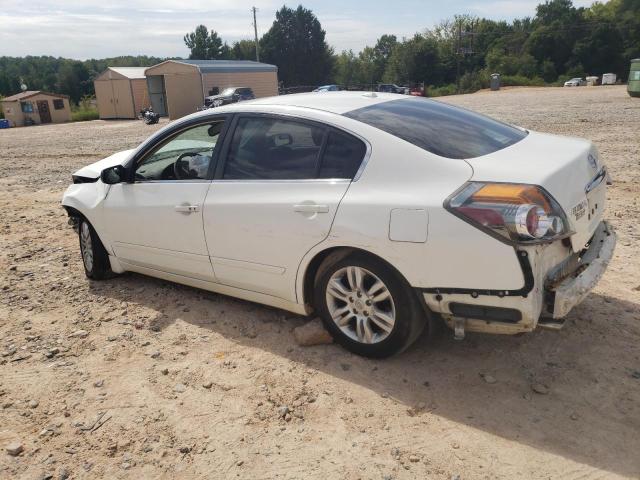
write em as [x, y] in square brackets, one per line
[568, 168]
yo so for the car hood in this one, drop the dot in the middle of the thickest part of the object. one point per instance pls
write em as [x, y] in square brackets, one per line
[94, 170]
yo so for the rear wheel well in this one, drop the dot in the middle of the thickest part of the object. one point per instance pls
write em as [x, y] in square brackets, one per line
[336, 254]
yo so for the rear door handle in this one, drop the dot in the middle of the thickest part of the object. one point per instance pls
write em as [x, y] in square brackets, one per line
[311, 208]
[186, 208]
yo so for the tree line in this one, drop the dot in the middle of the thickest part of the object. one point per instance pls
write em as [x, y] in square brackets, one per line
[458, 54]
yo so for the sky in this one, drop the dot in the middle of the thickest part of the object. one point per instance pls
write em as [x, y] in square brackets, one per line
[84, 29]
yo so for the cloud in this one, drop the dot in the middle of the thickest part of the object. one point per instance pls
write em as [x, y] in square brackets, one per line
[99, 28]
[94, 29]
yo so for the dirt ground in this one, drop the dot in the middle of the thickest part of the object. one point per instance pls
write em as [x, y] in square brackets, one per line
[139, 378]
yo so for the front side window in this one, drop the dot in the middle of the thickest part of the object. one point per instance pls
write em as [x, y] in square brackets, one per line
[439, 128]
[273, 149]
[186, 156]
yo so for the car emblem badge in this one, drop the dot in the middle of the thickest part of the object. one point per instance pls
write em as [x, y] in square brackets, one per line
[592, 161]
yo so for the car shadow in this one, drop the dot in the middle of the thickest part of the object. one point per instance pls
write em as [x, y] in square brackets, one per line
[573, 393]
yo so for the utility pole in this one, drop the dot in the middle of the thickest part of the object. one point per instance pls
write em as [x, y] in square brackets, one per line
[255, 32]
[458, 53]
[467, 49]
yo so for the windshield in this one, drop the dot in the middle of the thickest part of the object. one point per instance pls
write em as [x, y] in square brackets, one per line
[228, 91]
[439, 128]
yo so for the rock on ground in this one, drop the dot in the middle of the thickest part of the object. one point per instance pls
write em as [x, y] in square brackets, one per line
[312, 333]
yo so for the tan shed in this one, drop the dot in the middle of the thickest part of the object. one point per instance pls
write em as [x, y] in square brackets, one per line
[121, 92]
[178, 87]
[35, 107]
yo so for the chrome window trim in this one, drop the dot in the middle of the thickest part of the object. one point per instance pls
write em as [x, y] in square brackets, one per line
[191, 180]
[289, 180]
[169, 132]
[292, 116]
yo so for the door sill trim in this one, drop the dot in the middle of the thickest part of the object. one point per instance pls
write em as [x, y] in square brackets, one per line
[249, 295]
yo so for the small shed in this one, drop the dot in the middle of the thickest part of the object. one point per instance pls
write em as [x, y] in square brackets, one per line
[35, 107]
[592, 80]
[178, 87]
[121, 92]
[633, 87]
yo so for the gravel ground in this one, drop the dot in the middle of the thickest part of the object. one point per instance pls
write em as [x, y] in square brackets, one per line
[137, 377]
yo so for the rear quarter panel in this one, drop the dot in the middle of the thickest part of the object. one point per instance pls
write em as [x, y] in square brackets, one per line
[399, 175]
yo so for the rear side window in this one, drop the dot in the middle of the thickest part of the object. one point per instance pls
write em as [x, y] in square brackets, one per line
[439, 128]
[273, 149]
[342, 156]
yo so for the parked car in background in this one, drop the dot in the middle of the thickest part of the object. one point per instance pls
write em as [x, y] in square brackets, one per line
[327, 88]
[229, 95]
[575, 82]
[390, 88]
[609, 79]
[379, 212]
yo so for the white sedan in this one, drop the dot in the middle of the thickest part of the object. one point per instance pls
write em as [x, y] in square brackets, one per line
[380, 212]
[575, 82]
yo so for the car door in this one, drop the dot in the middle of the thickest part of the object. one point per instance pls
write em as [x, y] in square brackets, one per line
[275, 194]
[156, 221]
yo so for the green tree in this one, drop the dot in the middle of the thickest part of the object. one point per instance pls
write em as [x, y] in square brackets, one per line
[205, 45]
[74, 80]
[416, 60]
[296, 44]
[346, 68]
[557, 27]
[243, 50]
[381, 54]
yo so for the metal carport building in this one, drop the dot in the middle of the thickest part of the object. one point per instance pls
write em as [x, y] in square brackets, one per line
[178, 87]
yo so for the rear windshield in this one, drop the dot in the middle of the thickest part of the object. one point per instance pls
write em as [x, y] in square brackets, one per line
[439, 128]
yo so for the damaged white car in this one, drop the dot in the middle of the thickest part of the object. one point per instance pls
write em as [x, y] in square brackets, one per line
[380, 212]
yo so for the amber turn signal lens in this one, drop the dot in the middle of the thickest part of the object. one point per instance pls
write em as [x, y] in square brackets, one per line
[509, 193]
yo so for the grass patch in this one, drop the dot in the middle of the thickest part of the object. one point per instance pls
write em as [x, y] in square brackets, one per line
[84, 114]
[521, 81]
[85, 110]
[450, 89]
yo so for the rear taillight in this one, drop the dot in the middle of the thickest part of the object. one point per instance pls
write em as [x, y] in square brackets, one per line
[513, 212]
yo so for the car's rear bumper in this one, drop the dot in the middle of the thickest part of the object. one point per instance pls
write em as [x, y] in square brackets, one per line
[569, 291]
[559, 282]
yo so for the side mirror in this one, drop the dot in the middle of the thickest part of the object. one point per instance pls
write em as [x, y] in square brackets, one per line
[113, 175]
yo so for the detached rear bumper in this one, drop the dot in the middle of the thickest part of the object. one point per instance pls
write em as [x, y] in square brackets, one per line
[569, 291]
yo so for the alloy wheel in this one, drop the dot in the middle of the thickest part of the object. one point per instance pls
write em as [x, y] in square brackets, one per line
[360, 304]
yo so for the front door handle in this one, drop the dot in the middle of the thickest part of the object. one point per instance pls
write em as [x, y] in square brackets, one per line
[311, 208]
[186, 208]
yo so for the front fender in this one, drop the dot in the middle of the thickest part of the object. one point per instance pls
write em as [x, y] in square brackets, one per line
[88, 199]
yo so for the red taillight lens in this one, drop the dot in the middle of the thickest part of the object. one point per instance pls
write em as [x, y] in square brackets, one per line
[516, 212]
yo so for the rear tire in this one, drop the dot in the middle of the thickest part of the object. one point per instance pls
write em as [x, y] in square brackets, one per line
[367, 306]
[94, 256]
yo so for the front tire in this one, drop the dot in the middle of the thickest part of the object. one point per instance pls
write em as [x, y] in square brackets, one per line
[94, 256]
[367, 306]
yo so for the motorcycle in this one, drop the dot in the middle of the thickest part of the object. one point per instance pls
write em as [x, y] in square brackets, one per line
[148, 116]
